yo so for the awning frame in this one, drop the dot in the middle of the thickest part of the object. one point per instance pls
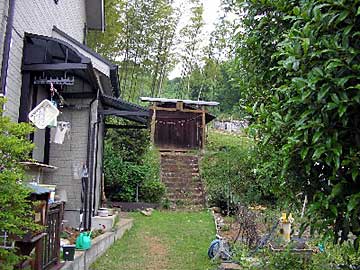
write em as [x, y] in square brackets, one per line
[121, 108]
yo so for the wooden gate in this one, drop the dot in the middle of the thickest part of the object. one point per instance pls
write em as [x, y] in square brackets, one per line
[51, 242]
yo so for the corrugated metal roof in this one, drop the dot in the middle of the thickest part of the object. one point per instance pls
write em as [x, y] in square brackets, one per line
[185, 101]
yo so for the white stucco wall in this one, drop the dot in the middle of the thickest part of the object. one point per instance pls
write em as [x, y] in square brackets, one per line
[38, 17]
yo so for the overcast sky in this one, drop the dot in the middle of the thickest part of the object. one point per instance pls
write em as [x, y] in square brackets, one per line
[211, 13]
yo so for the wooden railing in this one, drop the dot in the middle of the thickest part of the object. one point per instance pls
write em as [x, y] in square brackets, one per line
[51, 242]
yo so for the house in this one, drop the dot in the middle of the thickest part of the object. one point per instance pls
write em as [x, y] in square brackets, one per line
[44, 56]
[179, 124]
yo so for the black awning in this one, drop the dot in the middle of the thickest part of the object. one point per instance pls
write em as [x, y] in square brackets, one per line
[43, 53]
[113, 68]
[118, 107]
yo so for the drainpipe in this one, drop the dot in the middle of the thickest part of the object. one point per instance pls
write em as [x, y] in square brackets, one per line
[87, 216]
[90, 154]
[96, 152]
[7, 44]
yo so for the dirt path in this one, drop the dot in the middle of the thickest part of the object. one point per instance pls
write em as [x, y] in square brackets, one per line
[156, 253]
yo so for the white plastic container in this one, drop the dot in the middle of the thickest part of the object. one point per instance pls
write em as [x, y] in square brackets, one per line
[43, 114]
[103, 212]
[52, 189]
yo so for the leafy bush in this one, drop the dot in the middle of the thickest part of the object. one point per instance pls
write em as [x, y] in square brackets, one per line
[298, 65]
[152, 191]
[119, 185]
[229, 171]
[15, 209]
[130, 164]
[339, 257]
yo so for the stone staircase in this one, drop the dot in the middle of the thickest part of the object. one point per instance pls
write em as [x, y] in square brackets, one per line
[180, 174]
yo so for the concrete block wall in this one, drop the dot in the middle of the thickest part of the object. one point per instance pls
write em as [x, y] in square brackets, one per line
[70, 155]
[38, 17]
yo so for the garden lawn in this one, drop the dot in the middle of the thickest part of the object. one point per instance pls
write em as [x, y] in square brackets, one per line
[164, 241]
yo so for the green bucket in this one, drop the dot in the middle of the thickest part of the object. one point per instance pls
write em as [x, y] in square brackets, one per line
[83, 241]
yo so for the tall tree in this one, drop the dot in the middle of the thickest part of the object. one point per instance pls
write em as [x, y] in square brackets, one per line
[140, 40]
[191, 38]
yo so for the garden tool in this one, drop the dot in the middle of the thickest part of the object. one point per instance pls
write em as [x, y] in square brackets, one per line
[83, 241]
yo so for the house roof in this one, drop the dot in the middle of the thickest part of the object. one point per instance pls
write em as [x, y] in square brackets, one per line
[42, 53]
[95, 14]
[106, 67]
[119, 107]
[185, 101]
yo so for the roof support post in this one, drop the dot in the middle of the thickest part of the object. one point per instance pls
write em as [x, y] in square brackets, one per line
[25, 97]
[153, 124]
[203, 128]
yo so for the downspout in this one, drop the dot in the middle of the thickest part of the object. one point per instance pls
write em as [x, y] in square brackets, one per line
[87, 216]
[90, 155]
[7, 45]
[96, 151]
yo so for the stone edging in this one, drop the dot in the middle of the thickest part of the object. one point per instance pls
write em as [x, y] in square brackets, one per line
[84, 259]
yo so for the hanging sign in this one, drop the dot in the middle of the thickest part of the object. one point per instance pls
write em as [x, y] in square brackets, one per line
[43, 114]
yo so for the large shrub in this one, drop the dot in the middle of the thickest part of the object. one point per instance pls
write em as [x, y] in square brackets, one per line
[300, 65]
[229, 171]
[151, 189]
[15, 209]
[320, 109]
[131, 165]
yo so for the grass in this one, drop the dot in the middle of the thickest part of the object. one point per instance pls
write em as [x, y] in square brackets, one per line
[164, 241]
[217, 141]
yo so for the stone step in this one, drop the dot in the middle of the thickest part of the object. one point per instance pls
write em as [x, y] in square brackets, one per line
[180, 170]
[177, 159]
[184, 193]
[180, 174]
[183, 186]
[180, 195]
[187, 186]
[179, 156]
[180, 166]
[180, 178]
[177, 163]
